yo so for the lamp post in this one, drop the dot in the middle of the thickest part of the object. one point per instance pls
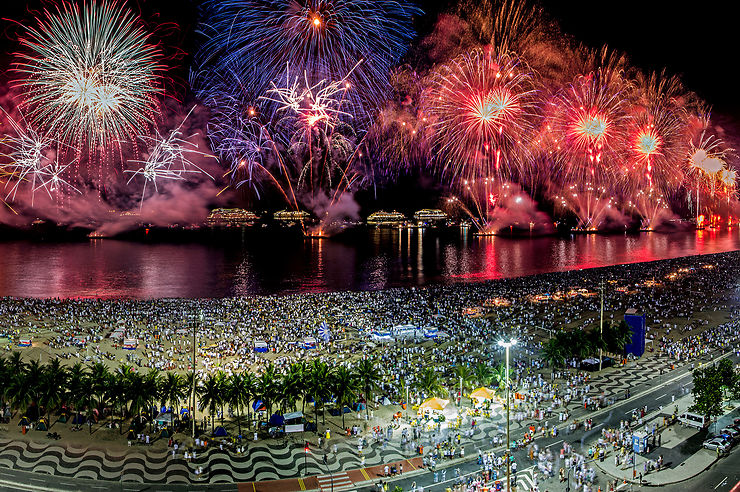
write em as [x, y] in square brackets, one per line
[507, 345]
[601, 326]
[195, 327]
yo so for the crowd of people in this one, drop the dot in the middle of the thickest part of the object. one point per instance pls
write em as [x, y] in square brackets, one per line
[678, 296]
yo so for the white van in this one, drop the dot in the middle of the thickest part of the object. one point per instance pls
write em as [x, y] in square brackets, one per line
[695, 420]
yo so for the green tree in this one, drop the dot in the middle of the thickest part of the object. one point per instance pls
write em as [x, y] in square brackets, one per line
[498, 375]
[53, 382]
[210, 395]
[173, 390]
[554, 352]
[319, 386]
[250, 384]
[429, 382]
[344, 386]
[369, 378]
[270, 387]
[707, 392]
[617, 336]
[482, 374]
[237, 395]
[293, 382]
[727, 376]
[100, 378]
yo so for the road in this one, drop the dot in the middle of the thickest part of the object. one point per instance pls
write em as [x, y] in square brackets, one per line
[653, 396]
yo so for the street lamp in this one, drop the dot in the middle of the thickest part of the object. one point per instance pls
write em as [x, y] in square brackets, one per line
[507, 345]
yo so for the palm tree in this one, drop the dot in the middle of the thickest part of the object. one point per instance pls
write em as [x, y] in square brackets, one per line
[18, 391]
[4, 381]
[75, 377]
[15, 364]
[237, 395]
[553, 352]
[269, 387]
[344, 385]
[369, 377]
[100, 378]
[617, 335]
[135, 393]
[118, 392]
[173, 389]
[293, 385]
[250, 383]
[482, 374]
[210, 396]
[430, 383]
[463, 375]
[318, 386]
[223, 387]
[53, 383]
[498, 375]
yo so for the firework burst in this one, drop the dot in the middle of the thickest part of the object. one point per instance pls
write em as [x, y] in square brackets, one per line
[33, 158]
[169, 158]
[89, 72]
[322, 38]
[482, 110]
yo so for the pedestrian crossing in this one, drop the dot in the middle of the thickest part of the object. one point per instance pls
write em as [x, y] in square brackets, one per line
[336, 482]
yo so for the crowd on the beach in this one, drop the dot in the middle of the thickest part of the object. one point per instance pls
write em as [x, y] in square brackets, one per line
[670, 292]
[677, 296]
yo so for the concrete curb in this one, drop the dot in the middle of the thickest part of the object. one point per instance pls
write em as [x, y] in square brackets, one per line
[649, 484]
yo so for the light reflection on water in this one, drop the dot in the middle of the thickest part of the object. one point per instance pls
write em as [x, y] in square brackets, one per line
[258, 263]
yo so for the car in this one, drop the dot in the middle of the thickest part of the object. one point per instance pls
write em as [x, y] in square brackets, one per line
[734, 426]
[717, 443]
[732, 432]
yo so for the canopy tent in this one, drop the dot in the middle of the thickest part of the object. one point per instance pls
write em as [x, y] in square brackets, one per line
[260, 346]
[431, 332]
[165, 418]
[130, 343]
[434, 403]
[293, 422]
[41, 425]
[309, 343]
[483, 394]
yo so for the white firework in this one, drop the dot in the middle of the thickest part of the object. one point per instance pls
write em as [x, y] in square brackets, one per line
[33, 159]
[168, 158]
[312, 104]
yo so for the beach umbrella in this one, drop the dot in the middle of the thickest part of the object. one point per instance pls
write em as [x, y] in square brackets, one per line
[482, 394]
[433, 404]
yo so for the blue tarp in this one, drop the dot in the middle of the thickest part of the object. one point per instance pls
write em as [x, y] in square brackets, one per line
[276, 420]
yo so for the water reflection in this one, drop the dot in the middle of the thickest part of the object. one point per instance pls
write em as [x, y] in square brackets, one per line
[372, 259]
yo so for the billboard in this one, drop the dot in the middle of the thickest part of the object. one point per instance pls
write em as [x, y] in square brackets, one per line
[637, 324]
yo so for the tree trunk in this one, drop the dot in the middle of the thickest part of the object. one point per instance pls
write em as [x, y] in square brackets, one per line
[239, 419]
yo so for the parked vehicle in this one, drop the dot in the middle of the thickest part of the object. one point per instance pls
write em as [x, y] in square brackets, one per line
[695, 420]
[718, 443]
[732, 432]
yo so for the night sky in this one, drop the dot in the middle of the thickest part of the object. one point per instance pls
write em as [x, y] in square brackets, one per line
[698, 41]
